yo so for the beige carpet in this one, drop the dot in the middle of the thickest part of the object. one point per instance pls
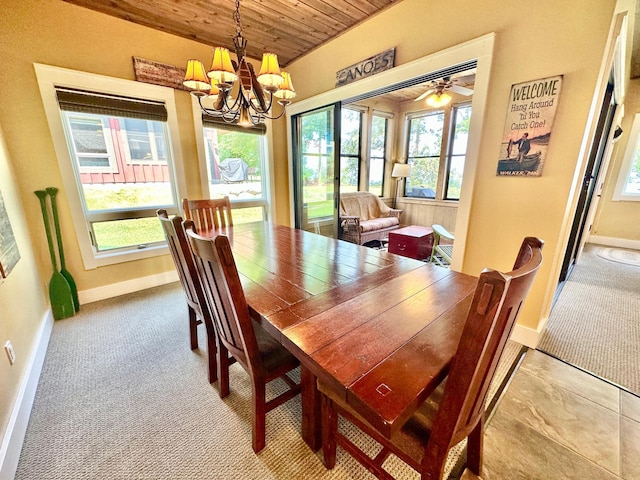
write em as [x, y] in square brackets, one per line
[595, 323]
[620, 255]
[123, 397]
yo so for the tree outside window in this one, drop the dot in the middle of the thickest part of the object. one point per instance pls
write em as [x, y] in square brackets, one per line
[350, 135]
[378, 147]
[423, 154]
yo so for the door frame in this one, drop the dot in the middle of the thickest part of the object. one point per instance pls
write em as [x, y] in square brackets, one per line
[296, 163]
[480, 50]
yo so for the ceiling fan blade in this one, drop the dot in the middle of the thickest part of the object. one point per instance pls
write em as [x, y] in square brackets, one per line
[425, 94]
[461, 90]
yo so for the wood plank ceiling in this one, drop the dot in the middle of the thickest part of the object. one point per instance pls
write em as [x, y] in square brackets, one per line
[289, 28]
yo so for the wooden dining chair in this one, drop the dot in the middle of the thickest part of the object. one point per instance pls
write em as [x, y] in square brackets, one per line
[455, 411]
[208, 214]
[442, 250]
[188, 275]
[262, 356]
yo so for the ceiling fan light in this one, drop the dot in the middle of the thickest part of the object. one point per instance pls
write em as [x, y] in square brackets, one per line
[221, 67]
[196, 78]
[437, 100]
[285, 90]
[270, 76]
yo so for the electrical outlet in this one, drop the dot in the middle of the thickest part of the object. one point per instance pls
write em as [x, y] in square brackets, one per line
[10, 353]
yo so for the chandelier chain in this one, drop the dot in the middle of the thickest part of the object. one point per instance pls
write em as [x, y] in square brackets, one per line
[236, 17]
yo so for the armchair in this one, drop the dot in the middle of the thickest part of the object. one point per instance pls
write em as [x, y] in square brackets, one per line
[364, 217]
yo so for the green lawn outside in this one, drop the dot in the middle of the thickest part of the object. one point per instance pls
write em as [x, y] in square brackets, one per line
[139, 231]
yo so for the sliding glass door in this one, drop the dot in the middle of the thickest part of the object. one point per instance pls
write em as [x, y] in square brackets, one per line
[316, 170]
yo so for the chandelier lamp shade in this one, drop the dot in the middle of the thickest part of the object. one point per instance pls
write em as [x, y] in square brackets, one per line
[239, 96]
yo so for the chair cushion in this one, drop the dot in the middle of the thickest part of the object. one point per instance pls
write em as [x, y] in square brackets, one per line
[378, 223]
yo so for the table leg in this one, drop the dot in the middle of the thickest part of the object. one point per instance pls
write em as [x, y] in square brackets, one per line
[311, 432]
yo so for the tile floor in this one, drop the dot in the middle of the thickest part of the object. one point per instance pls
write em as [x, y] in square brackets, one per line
[558, 422]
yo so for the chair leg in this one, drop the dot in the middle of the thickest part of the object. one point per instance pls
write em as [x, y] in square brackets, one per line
[329, 431]
[223, 370]
[193, 328]
[212, 352]
[474, 448]
[259, 414]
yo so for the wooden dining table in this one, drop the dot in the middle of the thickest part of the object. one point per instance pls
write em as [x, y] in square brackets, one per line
[380, 329]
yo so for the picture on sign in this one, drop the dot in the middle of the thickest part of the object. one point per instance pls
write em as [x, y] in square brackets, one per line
[9, 254]
[527, 129]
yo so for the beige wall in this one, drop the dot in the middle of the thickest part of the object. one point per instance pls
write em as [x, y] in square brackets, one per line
[23, 297]
[547, 39]
[619, 220]
[553, 38]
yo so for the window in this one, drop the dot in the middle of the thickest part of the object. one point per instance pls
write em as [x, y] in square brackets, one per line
[457, 151]
[628, 184]
[436, 150]
[423, 153]
[377, 152]
[350, 136]
[90, 143]
[115, 157]
[236, 164]
[144, 141]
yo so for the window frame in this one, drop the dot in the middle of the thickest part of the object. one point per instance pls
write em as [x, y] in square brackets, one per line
[409, 117]
[450, 144]
[446, 150]
[49, 78]
[362, 140]
[633, 145]
[267, 202]
[388, 142]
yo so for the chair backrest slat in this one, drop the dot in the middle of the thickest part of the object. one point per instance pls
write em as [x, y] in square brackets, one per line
[495, 307]
[208, 214]
[182, 257]
[224, 297]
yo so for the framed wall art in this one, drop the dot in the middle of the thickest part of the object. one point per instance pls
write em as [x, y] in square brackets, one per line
[527, 129]
[9, 254]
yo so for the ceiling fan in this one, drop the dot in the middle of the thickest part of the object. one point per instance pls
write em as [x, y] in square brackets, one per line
[438, 87]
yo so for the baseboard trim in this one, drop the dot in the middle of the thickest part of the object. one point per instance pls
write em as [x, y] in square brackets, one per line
[615, 242]
[526, 336]
[17, 426]
[128, 286]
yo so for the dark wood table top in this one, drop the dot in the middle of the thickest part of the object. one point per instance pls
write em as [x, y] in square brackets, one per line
[379, 328]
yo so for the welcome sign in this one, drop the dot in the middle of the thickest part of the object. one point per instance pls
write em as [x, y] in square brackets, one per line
[527, 130]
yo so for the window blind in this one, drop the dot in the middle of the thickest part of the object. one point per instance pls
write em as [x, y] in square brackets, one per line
[106, 104]
[218, 122]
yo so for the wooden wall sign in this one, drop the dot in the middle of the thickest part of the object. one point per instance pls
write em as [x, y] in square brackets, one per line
[366, 68]
[157, 73]
[527, 129]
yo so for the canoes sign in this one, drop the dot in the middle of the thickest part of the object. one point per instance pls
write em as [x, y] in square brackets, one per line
[527, 129]
[366, 68]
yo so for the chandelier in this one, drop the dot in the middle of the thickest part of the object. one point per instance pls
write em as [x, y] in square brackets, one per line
[254, 96]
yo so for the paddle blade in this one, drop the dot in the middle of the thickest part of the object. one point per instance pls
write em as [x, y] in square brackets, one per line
[60, 297]
[72, 285]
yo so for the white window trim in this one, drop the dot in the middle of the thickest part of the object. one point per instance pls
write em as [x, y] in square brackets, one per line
[49, 78]
[268, 183]
[625, 170]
